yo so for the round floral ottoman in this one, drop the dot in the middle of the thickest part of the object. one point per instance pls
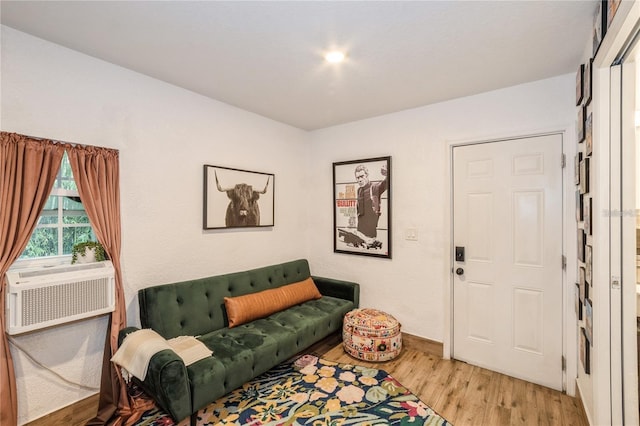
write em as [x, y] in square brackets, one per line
[371, 335]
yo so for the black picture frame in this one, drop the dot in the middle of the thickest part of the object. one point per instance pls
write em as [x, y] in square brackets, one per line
[584, 175]
[580, 125]
[588, 265]
[576, 170]
[588, 136]
[362, 207]
[581, 242]
[584, 289]
[604, 16]
[253, 190]
[588, 69]
[579, 206]
[587, 215]
[585, 354]
[578, 302]
[588, 320]
[599, 27]
[579, 84]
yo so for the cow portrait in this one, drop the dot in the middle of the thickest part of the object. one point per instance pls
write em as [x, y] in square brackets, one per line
[243, 208]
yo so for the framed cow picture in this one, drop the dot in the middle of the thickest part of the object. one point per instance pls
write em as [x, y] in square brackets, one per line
[235, 198]
[362, 207]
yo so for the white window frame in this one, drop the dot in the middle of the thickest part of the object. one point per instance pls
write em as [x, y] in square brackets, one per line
[59, 259]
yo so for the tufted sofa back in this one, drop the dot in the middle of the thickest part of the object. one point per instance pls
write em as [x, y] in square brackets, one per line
[196, 307]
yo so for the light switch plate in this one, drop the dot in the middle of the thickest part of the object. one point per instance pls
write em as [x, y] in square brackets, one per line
[411, 234]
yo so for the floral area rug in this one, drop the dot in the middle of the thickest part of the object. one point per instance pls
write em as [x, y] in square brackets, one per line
[313, 391]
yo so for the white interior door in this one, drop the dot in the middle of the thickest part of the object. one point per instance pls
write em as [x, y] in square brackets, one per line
[507, 297]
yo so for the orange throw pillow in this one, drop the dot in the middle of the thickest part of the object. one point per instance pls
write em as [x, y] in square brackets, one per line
[242, 309]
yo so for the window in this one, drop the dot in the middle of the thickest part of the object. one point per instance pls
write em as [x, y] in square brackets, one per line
[63, 222]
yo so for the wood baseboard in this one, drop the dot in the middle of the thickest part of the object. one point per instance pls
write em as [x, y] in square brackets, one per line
[581, 404]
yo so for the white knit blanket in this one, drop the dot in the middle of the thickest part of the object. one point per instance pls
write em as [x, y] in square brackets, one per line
[189, 349]
[138, 348]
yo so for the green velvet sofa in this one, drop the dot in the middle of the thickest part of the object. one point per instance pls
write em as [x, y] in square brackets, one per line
[196, 308]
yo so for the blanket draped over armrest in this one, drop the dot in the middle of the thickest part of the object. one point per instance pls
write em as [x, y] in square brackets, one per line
[189, 349]
[139, 347]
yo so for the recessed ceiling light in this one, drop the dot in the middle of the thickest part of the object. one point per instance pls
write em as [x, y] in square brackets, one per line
[334, 56]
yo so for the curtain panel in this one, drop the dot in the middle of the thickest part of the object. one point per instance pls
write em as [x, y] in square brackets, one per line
[28, 169]
[97, 175]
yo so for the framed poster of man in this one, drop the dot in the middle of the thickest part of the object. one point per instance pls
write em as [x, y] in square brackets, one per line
[362, 207]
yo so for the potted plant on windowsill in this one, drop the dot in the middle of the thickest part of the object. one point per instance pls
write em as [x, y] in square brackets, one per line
[87, 252]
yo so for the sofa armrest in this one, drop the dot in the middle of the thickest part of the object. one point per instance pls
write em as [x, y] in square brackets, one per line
[167, 380]
[124, 333]
[338, 288]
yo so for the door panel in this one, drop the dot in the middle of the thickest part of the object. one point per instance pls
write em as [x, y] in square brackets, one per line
[528, 324]
[508, 215]
[481, 325]
[479, 226]
[528, 228]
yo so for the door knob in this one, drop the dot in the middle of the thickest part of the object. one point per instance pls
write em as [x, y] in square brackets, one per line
[459, 271]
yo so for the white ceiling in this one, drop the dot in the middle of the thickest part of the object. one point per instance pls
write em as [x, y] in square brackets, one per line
[266, 57]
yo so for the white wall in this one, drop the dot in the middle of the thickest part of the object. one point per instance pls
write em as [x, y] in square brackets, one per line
[165, 135]
[411, 285]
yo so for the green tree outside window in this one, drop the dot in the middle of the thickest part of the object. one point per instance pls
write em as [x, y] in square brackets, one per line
[63, 221]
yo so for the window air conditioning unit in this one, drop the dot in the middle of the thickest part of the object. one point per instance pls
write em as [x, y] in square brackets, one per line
[43, 297]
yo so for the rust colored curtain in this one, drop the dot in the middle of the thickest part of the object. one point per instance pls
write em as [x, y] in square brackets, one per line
[97, 175]
[28, 169]
[96, 172]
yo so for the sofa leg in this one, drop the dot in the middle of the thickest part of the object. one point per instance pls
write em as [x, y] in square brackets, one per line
[194, 419]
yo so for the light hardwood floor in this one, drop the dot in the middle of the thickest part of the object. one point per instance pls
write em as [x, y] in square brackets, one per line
[465, 394]
[461, 393]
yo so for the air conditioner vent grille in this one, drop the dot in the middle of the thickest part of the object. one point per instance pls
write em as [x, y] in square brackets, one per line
[44, 304]
[46, 297]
